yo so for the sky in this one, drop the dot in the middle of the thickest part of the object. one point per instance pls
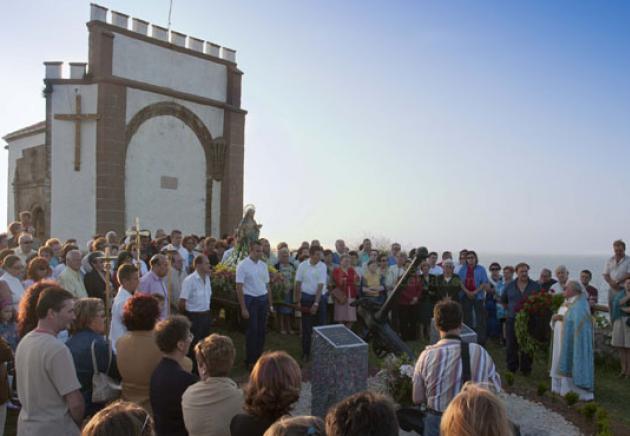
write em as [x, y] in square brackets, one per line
[500, 126]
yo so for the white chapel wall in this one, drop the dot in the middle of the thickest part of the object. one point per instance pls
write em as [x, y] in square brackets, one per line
[211, 116]
[73, 193]
[142, 61]
[16, 149]
[165, 177]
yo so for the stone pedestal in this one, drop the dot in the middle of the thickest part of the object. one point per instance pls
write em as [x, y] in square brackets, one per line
[467, 335]
[339, 366]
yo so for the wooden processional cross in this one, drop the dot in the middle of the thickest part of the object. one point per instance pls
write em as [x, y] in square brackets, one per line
[77, 117]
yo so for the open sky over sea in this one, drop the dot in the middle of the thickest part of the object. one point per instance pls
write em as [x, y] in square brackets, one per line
[500, 126]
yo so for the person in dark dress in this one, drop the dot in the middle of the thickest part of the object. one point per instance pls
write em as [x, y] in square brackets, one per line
[274, 386]
[94, 280]
[170, 380]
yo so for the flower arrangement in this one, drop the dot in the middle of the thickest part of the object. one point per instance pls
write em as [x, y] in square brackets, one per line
[537, 307]
[223, 278]
[277, 285]
[399, 379]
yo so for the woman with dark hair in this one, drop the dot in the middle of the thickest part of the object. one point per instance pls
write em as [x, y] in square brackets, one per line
[95, 279]
[38, 269]
[87, 345]
[474, 285]
[120, 418]
[274, 386]
[137, 352]
[26, 316]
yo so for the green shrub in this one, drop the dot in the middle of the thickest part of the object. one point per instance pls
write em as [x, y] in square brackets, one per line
[509, 378]
[603, 427]
[571, 398]
[542, 388]
[589, 410]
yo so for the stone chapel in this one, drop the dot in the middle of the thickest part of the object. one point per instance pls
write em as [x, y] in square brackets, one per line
[150, 127]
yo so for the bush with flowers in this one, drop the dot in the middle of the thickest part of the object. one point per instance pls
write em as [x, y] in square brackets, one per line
[398, 374]
[532, 320]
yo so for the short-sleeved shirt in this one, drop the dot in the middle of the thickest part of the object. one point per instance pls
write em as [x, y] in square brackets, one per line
[311, 276]
[512, 295]
[617, 270]
[45, 373]
[254, 277]
[196, 292]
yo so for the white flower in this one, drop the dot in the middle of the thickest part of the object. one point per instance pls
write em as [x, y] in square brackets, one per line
[406, 370]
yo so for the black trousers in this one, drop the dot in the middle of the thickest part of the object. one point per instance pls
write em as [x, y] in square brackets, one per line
[200, 328]
[408, 316]
[515, 358]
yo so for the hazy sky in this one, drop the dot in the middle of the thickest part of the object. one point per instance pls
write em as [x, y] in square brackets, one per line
[451, 124]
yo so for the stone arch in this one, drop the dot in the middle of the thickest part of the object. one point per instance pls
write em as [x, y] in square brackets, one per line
[188, 117]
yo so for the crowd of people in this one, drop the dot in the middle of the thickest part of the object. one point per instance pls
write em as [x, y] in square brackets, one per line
[154, 339]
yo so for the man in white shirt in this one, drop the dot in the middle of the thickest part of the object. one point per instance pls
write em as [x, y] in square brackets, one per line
[128, 279]
[310, 280]
[176, 241]
[434, 268]
[255, 300]
[194, 300]
[616, 270]
[25, 248]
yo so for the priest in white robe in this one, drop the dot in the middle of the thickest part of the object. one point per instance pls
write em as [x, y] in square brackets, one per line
[572, 366]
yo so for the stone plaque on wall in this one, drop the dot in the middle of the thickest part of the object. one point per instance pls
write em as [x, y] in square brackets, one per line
[167, 182]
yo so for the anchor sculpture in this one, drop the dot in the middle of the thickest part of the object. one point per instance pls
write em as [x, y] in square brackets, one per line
[375, 317]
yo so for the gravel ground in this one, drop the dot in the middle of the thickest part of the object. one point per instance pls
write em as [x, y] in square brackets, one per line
[534, 419]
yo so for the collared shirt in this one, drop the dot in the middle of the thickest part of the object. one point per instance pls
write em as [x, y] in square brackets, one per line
[617, 270]
[480, 276]
[437, 376]
[254, 276]
[311, 276]
[117, 329]
[72, 282]
[197, 292]
[512, 294]
[150, 283]
[22, 255]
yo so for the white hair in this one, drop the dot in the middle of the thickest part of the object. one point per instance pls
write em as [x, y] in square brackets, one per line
[562, 268]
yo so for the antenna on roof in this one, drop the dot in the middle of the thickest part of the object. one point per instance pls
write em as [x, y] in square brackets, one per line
[170, 9]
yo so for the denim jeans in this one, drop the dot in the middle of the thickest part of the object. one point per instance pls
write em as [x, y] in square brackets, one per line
[256, 327]
[308, 321]
[432, 424]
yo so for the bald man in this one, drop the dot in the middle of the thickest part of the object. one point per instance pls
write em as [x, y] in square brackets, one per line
[70, 279]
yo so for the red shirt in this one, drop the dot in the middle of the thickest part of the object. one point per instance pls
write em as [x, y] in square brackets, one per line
[413, 289]
[346, 281]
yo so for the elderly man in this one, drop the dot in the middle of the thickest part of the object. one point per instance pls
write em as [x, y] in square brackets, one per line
[14, 230]
[572, 367]
[177, 276]
[616, 270]
[546, 281]
[562, 274]
[153, 282]
[340, 250]
[393, 254]
[70, 279]
[513, 293]
[25, 249]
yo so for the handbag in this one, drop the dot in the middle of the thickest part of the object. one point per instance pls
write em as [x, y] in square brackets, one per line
[339, 296]
[104, 388]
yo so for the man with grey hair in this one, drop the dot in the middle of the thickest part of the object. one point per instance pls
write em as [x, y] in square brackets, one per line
[70, 279]
[340, 250]
[546, 281]
[25, 247]
[572, 367]
[153, 282]
[562, 274]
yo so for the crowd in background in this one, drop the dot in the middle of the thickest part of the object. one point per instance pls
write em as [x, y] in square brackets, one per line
[158, 344]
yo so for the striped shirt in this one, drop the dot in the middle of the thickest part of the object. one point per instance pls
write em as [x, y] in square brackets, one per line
[437, 377]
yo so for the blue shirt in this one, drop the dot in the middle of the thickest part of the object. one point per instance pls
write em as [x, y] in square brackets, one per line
[480, 276]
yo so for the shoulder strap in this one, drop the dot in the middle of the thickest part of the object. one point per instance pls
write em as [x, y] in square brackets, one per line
[109, 358]
[465, 354]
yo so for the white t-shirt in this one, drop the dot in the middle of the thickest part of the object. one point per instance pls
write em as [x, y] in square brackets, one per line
[117, 328]
[45, 373]
[196, 292]
[254, 277]
[311, 276]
